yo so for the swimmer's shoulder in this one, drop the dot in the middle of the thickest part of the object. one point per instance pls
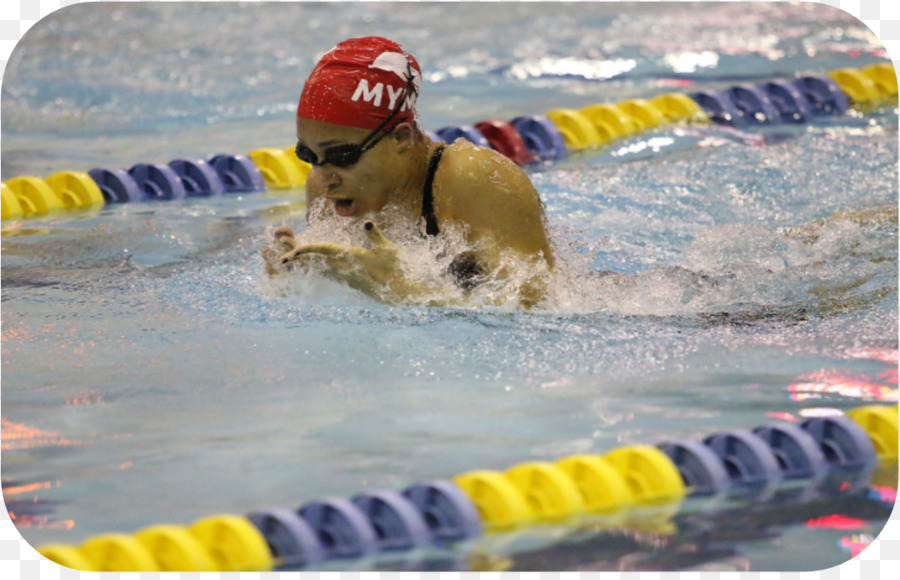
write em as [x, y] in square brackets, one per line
[493, 197]
[463, 159]
[471, 174]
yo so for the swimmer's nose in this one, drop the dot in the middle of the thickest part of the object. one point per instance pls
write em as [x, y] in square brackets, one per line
[328, 177]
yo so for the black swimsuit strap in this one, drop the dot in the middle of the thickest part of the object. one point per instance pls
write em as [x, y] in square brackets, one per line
[431, 225]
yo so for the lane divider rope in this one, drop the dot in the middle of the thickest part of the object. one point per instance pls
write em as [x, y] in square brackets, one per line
[525, 140]
[475, 503]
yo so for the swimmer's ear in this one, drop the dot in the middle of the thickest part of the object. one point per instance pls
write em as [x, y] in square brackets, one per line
[376, 237]
[405, 135]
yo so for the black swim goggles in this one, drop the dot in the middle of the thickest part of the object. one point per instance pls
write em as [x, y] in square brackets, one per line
[348, 155]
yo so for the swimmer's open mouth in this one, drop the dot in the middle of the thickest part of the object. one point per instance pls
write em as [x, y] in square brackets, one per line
[344, 207]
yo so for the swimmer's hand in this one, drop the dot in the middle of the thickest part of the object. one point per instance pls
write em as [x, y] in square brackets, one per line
[376, 272]
[284, 242]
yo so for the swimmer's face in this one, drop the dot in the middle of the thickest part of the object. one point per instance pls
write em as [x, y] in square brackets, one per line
[362, 188]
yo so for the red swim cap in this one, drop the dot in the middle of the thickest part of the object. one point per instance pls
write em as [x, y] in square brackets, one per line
[360, 83]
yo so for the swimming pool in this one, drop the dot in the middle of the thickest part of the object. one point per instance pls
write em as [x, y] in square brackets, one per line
[151, 372]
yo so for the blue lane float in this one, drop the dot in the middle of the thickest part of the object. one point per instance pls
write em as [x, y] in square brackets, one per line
[702, 470]
[798, 454]
[117, 186]
[199, 177]
[342, 527]
[292, 541]
[718, 106]
[753, 105]
[824, 94]
[844, 443]
[398, 524]
[238, 173]
[541, 136]
[157, 181]
[448, 512]
[749, 462]
[793, 106]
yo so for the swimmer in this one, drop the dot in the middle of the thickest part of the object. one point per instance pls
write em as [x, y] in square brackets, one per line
[357, 127]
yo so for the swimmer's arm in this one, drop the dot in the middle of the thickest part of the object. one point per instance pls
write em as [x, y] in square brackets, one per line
[500, 208]
[376, 272]
[283, 243]
[875, 215]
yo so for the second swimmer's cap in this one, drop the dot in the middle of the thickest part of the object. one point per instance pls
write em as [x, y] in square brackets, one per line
[360, 83]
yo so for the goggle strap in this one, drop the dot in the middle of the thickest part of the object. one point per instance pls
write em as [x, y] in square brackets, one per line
[410, 88]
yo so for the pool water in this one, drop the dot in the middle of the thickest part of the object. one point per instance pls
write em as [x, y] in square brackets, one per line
[153, 373]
